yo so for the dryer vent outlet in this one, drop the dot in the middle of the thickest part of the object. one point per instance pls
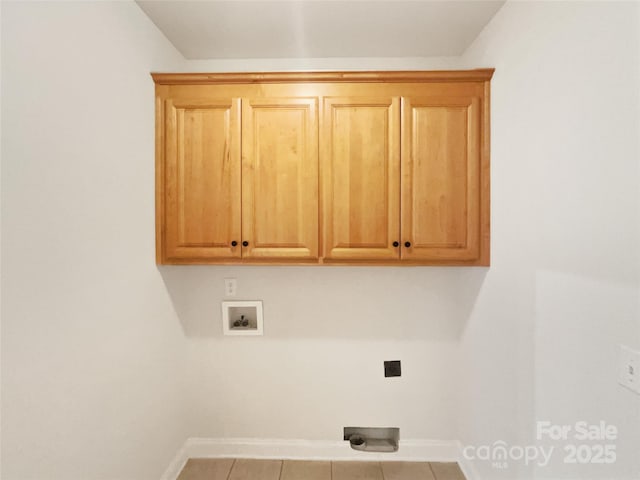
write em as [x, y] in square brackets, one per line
[373, 439]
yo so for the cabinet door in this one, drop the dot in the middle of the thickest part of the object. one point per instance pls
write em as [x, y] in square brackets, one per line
[360, 162]
[202, 179]
[280, 178]
[441, 178]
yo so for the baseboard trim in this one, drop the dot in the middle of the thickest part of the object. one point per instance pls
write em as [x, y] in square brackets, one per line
[177, 464]
[416, 450]
[292, 449]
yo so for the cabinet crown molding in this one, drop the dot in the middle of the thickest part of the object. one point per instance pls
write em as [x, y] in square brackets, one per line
[480, 74]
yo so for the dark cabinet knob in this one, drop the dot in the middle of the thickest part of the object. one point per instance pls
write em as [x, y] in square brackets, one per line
[234, 243]
[407, 244]
[396, 244]
[245, 243]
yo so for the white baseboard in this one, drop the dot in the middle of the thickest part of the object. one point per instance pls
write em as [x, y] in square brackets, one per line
[177, 464]
[410, 450]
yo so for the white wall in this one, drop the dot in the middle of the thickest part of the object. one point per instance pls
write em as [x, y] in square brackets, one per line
[319, 366]
[344, 63]
[0, 233]
[93, 356]
[562, 291]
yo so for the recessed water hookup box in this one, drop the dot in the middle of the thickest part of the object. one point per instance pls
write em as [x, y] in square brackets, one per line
[242, 318]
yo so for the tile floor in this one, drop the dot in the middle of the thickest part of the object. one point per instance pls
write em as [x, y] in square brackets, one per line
[250, 469]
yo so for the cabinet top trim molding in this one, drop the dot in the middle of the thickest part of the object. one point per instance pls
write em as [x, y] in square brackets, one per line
[480, 74]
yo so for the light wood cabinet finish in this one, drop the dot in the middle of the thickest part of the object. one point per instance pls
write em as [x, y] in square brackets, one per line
[202, 179]
[280, 178]
[361, 177]
[346, 168]
[441, 178]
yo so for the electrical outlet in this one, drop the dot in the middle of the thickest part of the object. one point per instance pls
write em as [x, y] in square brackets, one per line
[392, 368]
[629, 368]
[230, 287]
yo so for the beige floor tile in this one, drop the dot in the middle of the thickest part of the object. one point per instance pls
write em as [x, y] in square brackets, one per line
[356, 471]
[250, 469]
[302, 470]
[406, 471]
[447, 471]
[206, 469]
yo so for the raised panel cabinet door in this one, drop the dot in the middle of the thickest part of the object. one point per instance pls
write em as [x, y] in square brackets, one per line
[280, 178]
[360, 163]
[441, 178]
[202, 179]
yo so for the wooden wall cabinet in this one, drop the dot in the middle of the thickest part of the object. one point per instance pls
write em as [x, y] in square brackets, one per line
[280, 178]
[200, 179]
[361, 178]
[358, 168]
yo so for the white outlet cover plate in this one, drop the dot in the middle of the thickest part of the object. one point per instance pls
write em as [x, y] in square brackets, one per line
[230, 287]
